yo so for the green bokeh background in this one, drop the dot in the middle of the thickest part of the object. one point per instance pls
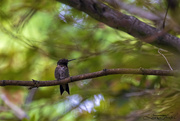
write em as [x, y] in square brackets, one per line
[34, 35]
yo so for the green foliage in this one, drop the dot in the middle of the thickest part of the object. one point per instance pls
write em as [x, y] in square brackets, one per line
[36, 34]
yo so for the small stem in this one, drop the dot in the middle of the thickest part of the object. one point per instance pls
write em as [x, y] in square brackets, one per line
[165, 59]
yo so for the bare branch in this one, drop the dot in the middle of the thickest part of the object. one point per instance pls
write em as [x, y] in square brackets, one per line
[128, 24]
[134, 10]
[104, 72]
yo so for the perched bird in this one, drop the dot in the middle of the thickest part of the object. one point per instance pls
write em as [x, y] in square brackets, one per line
[62, 72]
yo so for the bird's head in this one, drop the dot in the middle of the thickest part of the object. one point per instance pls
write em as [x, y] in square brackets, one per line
[64, 61]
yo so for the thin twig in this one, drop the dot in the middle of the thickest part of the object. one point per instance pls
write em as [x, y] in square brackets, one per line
[165, 59]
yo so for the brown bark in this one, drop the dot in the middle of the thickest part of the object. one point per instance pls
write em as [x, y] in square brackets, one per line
[104, 72]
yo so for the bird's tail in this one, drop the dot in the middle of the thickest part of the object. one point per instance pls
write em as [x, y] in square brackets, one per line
[64, 88]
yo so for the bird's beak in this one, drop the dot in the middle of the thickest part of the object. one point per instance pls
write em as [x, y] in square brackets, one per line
[71, 60]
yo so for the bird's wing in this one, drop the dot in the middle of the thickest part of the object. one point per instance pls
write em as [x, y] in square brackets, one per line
[56, 73]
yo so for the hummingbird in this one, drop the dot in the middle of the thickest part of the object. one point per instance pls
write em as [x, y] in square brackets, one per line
[62, 72]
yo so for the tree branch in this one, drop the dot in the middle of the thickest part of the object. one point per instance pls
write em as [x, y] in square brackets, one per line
[128, 24]
[134, 10]
[104, 72]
